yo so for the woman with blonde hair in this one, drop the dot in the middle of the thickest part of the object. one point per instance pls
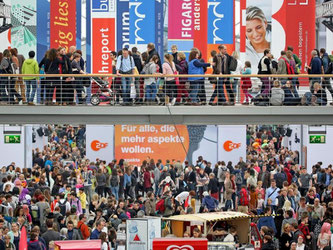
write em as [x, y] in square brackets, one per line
[286, 237]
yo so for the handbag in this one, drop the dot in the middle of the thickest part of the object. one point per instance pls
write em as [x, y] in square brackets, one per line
[133, 91]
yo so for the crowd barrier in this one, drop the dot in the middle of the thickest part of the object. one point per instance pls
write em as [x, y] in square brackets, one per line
[158, 89]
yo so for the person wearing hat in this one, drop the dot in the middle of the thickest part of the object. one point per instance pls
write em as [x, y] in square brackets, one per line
[209, 203]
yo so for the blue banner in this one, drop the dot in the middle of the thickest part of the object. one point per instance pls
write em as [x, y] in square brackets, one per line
[78, 24]
[159, 27]
[142, 23]
[43, 28]
[123, 24]
[220, 21]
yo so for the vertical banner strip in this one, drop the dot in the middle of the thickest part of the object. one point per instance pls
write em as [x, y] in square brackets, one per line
[78, 23]
[142, 23]
[200, 26]
[43, 28]
[24, 21]
[63, 23]
[88, 40]
[123, 25]
[242, 26]
[302, 34]
[159, 26]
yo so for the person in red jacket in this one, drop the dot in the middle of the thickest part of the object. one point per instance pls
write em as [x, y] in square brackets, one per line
[147, 180]
[83, 227]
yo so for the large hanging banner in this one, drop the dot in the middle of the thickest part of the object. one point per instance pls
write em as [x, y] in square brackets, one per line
[5, 38]
[180, 25]
[123, 24]
[43, 28]
[264, 25]
[136, 143]
[63, 23]
[99, 142]
[221, 25]
[103, 35]
[142, 23]
[231, 143]
[23, 32]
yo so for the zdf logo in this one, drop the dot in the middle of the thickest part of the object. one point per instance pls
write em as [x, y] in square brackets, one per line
[96, 145]
[229, 146]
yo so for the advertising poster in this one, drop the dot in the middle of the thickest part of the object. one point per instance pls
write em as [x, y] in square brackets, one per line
[159, 26]
[103, 35]
[5, 38]
[99, 142]
[231, 143]
[136, 143]
[142, 23]
[200, 13]
[302, 34]
[221, 25]
[123, 24]
[264, 25]
[180, 25]
[154, 224]
[63, 23]
[43, 28]
[137, 234]
[24, 30]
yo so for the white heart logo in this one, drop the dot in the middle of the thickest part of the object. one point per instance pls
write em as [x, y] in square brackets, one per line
[185, 247]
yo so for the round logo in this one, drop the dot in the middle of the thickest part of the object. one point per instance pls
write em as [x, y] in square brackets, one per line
[96, 145]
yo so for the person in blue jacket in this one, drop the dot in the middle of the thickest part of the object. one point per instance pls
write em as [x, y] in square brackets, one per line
[196, 67]
[267, 221]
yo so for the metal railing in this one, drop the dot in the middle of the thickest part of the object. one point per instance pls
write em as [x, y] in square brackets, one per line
[158, 89]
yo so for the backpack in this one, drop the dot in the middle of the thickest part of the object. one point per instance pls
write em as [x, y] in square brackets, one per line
[244, 199]
[121, 62]
[222, 174]
[233, 64]
[290, 70]
[239, 179]
[280, 178]
[62, 208]
[114, 181]
[79, 230]
[34, 212]
[160, 206]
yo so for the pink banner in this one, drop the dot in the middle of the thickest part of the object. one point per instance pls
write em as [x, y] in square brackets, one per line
[180, 19]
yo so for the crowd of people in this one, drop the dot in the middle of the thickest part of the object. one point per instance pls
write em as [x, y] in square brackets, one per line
[65, 196]
[171, 90]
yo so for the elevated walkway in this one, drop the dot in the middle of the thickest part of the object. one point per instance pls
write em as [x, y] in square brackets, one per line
[231, 115]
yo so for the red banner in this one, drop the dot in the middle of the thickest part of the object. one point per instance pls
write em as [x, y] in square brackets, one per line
[103, 42]
[63, 23]
[302, 33]
[200, 13]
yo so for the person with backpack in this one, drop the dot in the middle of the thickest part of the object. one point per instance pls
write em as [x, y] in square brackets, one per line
[284, 67]
[265, 68]
[64, 205]
[243, 200]
[224, 64]
[168, 204]
[182, 68]
[125, 66]
[139, 67]
[81, 225]
[114, 182]
[150, 83]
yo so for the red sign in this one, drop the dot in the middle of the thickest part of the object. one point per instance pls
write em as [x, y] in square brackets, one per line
[302, 33]
[63, 23]
[103, 42]
[200, 14]
[180, 244]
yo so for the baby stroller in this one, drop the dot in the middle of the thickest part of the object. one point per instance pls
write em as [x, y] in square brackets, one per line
[101, 92]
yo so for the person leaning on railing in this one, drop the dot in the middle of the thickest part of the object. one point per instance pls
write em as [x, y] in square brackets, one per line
[30, 66]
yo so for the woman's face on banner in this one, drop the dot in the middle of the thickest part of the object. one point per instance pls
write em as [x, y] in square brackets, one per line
[256, 31]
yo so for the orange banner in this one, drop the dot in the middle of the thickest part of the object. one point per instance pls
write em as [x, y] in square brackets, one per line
[136, 143]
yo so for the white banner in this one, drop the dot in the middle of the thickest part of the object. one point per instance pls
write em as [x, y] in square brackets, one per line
[137, 234]
[231, 143]
[99, 142]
